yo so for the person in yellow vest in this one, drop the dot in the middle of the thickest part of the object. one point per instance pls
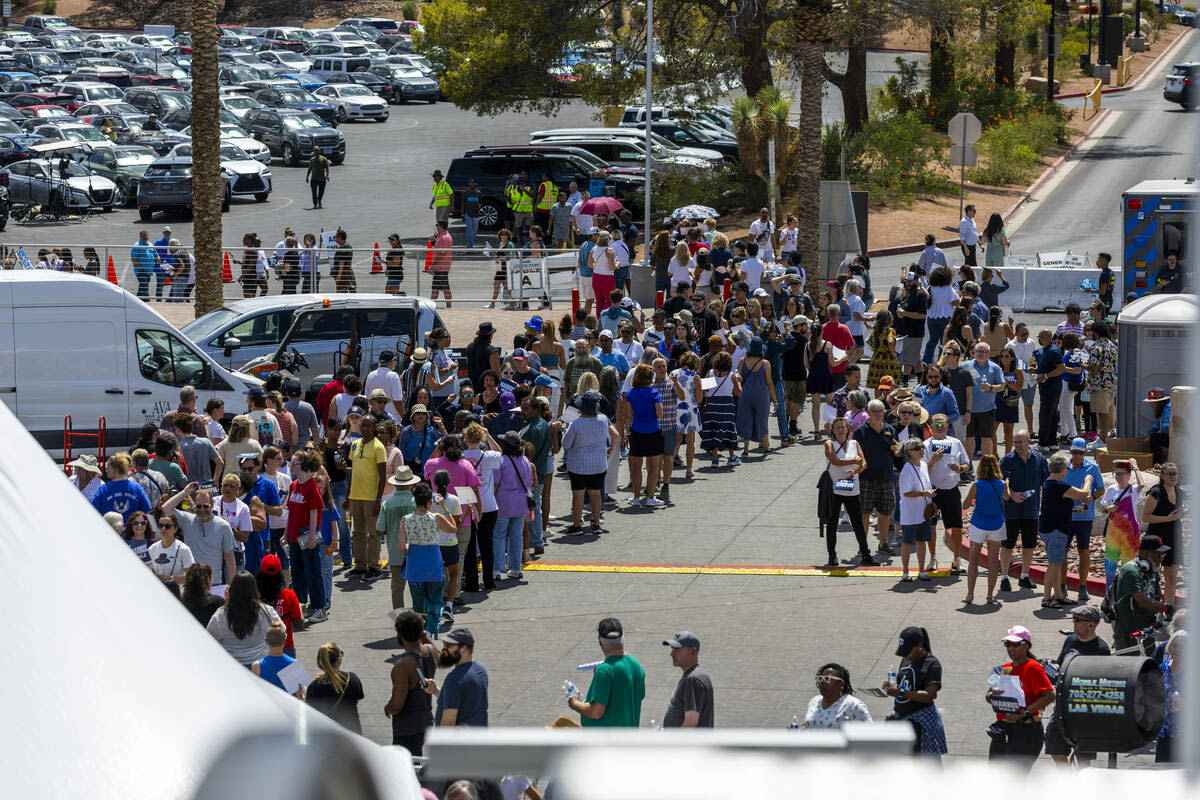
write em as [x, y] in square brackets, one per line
[510, 202]
[522, 207]
[547, 194]
[443, 198]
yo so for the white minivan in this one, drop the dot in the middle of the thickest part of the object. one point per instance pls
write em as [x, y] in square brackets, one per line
[74, 344]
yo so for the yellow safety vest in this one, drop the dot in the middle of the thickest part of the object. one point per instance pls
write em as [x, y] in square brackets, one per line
[510, 196]
[442, 194]
[524, 202]
[549, 193]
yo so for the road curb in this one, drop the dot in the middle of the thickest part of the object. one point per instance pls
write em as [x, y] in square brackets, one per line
[1177, 44]
[1095, 586]
[1050, 170]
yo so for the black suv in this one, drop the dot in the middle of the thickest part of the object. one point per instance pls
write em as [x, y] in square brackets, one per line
[293, 135]
[151, 100]
[1181, 87]
[41, 62]
[297, 99]
[491, 167]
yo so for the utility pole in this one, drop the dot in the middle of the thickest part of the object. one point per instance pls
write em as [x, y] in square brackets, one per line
[649, 122]
[1101, 50]
[1050, 55]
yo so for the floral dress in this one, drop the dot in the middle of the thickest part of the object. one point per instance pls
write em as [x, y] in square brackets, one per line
[687, 412]
[884, 362]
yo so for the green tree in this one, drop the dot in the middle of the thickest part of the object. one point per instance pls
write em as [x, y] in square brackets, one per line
[762, 124]
[855, 24]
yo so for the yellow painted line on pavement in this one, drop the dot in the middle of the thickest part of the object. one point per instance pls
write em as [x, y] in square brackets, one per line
[701, 569]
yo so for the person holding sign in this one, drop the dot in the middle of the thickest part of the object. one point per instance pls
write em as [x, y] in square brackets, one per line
[1017, 734]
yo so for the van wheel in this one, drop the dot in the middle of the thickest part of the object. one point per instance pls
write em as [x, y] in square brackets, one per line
[341, 114]
[289, 156]
[145, 213]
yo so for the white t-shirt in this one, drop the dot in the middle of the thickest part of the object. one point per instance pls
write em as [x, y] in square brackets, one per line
[236, 513]
[855, 305]
[940, 473]
[1113, 492]
[1024, 352]
[761, 231]
[738, 354]
[386, 379]
[265, 426]
[679, 272]
[170, 562]
[603, 260]
[787, 239]
[913, 478]
[216, 433]
[846, 707]
[583, 222]
[283, 482]
[342, 403]
[487, 463]
[846, 452]
[752, 270]
[632, 351]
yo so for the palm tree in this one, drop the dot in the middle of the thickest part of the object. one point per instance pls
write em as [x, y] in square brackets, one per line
[812, 24]
[207, 183]
[759, 123]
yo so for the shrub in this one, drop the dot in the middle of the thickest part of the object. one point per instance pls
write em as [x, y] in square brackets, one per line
[833, 141]
[49, 6]
[896, 158]
[1007, 155]
[719, 187]
[409, 9]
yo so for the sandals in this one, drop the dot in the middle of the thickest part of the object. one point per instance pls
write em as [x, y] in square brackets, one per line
[991, 600]
[1053, 602]
[688, 475]
[969, 600]
[906, 579]
[924, 576]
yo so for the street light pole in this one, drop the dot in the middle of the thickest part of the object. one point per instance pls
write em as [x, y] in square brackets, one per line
[1050, 55]
[649, 120]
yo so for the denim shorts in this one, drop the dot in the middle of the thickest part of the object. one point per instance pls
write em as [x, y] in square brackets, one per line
[1056, 546]
[920, 532]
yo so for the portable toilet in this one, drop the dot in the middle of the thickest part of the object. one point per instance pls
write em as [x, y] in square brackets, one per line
[1153, 333]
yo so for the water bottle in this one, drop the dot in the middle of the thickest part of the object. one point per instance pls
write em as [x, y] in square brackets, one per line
[654, 724]
[589, 665]
[891, 676]
[569, 688]
[794, 725]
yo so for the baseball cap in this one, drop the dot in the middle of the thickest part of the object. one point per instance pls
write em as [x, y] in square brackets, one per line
[683, 639]
[508, 401]
[545, 380]
[610, 628]
[386, 357]
[520, 353]
[1153, 543]
[910, 637]
[1089, 613]
[270, 564]
[910, 276]
[1079, 444]
[627, 302]
[760, 292]
[592, 231]
[1017, 634]
[256, 392]
[460, 636]
[379, 394]
[606, 332]
[799, 320]
[354, 411]
[292, 385]
[248, 457]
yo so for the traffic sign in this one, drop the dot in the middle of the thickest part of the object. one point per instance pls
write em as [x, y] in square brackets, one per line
[964, 128]
[963, 156]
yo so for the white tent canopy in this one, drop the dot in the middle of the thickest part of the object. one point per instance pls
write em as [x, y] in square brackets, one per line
[115, 691]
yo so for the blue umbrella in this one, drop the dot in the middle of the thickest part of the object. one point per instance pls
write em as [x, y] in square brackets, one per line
[694, 212]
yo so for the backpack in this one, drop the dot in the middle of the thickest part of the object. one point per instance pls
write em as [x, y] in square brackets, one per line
[1108, 605]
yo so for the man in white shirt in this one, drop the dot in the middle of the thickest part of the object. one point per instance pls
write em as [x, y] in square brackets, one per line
[265, 425]
[385, 377]
[583, 222]
[626, 345]
[281, 247]
[947, 460]
[968, 236]
[857, 321]
[752, 268]
[762, 230]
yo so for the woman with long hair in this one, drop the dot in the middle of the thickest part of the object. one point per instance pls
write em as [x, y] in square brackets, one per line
[942, 297]
[660, 258]
[553, 357]
[844, 461]
[460, 474]
[240, 440]
[994, 240]
[718, 411]
[757, 383]
[959, 330]
[884, 359]
[240, 625]
[196, 596]
[1163, 509]
[139, 535]
[687, 409]
[645, 409]
[288, 428]
[249, 264]
[335, 693]
[603, 262]
[423, 567]
[996, 332]
[1008, 404]
[274, 593]
[820, 385]
[486, 463]
[987, 524]
[679, 267]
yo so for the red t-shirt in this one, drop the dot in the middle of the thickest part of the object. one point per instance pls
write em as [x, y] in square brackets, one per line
[839, 336]
[695, 247]
[325, 398]
[288, 609]
[302, 498]
[1033, 680]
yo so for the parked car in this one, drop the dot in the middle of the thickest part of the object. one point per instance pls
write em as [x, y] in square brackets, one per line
[1181, 85]
[124, 165]
[85, 92]
[41, 62]
[74, 131]
[409, 83]
[247, 176]
[16, 147]
[354, 102]
[167, 186]
[181, 118]
[378, 84]
[294, 135]
[236, 135]
[238, 104]
[306, 80]
[40, 23]
[299, 99]
[158, 101]
[294, 62]
[63, 181]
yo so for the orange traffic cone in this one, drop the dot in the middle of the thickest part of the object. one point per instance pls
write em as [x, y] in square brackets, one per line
[226, 270]
[376, 261]
[112, 271]
[428, 255]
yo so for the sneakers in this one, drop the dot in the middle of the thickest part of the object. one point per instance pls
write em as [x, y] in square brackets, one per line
[1026, 582]
[734, 461]
[497, 576]
[537, 551]
[832, 563]
[1083, 593]
[317, 616]
[866, 560]
[635, 501]
[653, 502]
[1005, 585]
[664, 494]
[515, 574]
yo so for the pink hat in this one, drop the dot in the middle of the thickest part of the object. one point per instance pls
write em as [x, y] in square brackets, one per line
[1018, 634]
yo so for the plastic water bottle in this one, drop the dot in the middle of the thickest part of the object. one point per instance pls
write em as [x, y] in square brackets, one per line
[654, 724]
[590, 665]
[794, 725]
[569, 688]
[891, 676]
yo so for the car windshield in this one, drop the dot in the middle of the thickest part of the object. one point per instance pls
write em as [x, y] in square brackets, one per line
[407, 72]
[172, 101]
[296, 97]
[288, 57]
[301, 122]
[422, 62]
[130, 158]
[108, 93]
[73, 170]
[84, 133]
[202, 329]
[354, 90]
[45, 59]
[7, 126]
[239, 101]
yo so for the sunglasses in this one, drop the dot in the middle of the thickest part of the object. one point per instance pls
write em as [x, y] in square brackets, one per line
[1171, 474]
[828, 678]
[1014, 644]
[166, 525]
[906, 413]
[939, 425]
[203, 505]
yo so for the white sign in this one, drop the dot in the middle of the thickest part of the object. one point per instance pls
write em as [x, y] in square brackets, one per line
[963, 156]
[1020, 262]
[964, 128]
[525, 277]
[7, 9]
[1062, 260]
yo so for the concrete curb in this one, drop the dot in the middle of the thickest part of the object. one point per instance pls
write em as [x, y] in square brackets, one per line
[1050, 170]
[1177, 44]
[1095, 586]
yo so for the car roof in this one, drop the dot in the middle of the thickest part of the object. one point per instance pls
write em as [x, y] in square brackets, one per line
[253, 305]
[168, 161]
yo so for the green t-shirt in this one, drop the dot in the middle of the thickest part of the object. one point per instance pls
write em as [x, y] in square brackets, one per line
[391, 513]
[537, 433]
[620, 685]
[169, 470]
[1131, 580]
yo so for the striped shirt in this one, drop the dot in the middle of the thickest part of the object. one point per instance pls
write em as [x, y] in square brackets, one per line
[666, 388]
[585, 445]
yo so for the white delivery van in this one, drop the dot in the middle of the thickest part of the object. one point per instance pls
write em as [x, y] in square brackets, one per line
[74, 344]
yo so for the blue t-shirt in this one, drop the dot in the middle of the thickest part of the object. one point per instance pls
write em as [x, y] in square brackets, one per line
[329, 519]
[981, 401]
[123, 496]
[989, 505]
[643, 399]
[614, 359]
[266, 490]
[270, 666]
[1084, 510]
[585, 251]
[465, 689]
[610, 317]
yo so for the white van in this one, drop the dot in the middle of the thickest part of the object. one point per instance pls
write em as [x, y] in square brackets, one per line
[326, 65]
[74, 344]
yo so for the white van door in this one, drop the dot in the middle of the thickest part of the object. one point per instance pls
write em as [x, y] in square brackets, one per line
[8, 352]
[74, 367]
